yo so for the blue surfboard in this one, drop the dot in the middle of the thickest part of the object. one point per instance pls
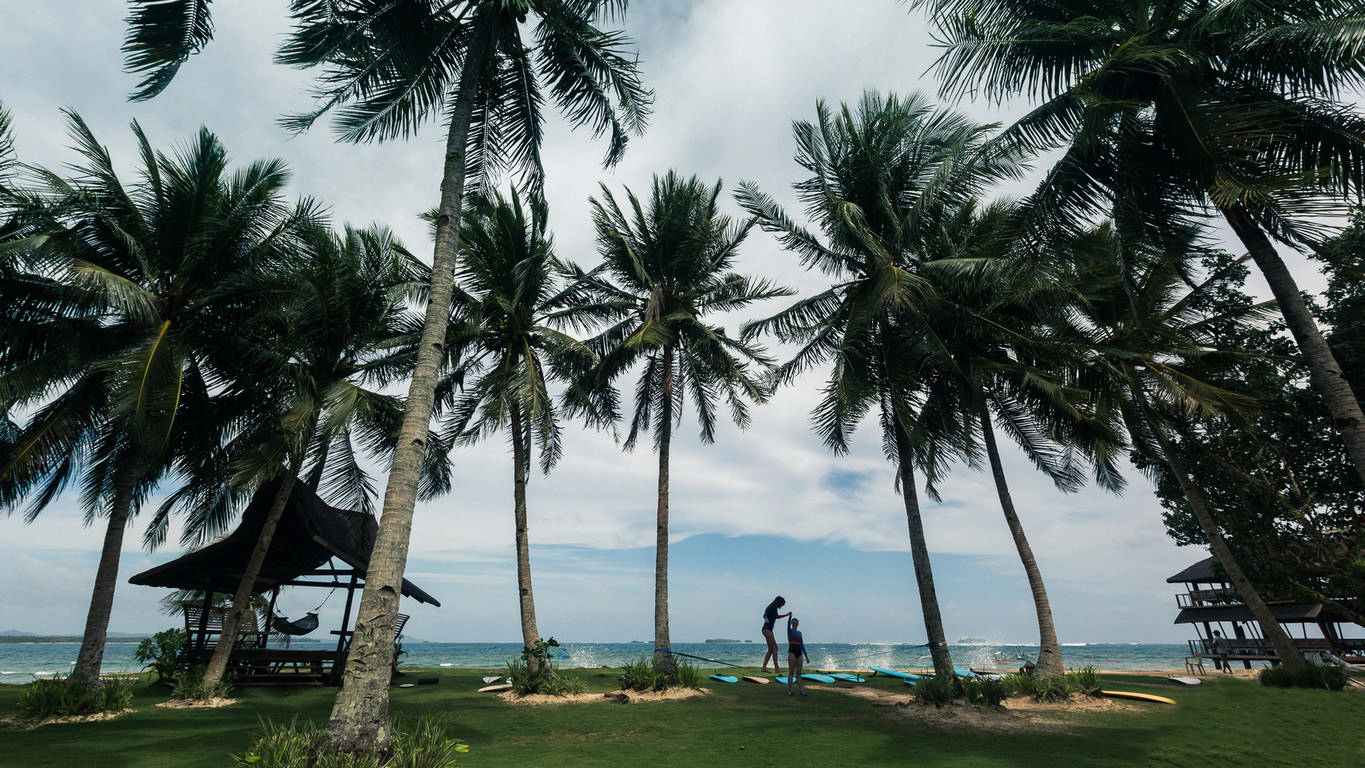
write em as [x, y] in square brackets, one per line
[818, 677]
[895, 673]
[847, 677]
[783, 679]
[725, 678]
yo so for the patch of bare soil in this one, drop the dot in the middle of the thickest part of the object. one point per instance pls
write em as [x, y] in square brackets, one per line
[1013, 716]
[29, 723]
[213, 703]
[613, 697]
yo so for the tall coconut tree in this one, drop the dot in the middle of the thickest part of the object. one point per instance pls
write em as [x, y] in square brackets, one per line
[1132, 328]
[1003, 371]
[668, 261]
[884, 176]
[507, 341]
[1182, 107]
[387, 67]
[341, 326]
[127, 290]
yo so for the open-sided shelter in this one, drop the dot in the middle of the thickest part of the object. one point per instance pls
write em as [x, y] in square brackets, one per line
[315, 545]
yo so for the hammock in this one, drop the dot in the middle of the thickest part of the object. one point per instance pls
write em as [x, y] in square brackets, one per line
[303, 626]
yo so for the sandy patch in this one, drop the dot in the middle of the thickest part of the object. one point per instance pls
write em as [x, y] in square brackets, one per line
[28, 724]
[213, 703]
[1013, 716]
[631, 697]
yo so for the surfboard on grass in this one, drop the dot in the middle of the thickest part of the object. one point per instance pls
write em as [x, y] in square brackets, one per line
[1137, 696]
[725, 678]
[496, 688]
[895, 673]
[819, 678]
[846, 677]
[1185, 680]
[756, 679]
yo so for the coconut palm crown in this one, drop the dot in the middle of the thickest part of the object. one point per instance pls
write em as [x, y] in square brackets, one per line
[1177, 108]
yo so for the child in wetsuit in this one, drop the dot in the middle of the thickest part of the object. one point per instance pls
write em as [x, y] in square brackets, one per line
[796, 656]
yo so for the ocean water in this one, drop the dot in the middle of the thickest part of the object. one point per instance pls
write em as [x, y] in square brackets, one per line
[22, 662]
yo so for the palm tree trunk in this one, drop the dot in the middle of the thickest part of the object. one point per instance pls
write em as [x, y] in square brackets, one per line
[1271, 629]
[91, 655]
[919, 555]
[1049, 664]
[359, 722]
[241, 601]
[1322, 364]
[661, 634]
[520, 460]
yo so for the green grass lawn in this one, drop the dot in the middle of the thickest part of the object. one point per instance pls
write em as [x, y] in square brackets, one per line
[1223, 723]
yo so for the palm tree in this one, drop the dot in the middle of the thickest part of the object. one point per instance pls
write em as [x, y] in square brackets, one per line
[1002, 370]
[341, 324]
[125, 294]
[1132, 327]
[1176, 107]
[884, 178]
[669, 261]
[388, 66]
[506, 346]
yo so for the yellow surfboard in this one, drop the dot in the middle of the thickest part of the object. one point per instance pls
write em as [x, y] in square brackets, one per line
[1137, 696]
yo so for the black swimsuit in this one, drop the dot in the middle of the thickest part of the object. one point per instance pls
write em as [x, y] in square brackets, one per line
[769, 617]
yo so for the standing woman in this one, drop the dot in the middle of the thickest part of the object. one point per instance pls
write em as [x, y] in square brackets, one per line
[770, 617]
[796, 656]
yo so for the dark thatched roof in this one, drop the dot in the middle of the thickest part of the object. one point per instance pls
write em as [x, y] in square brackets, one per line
[1206, 571]
[309, 535]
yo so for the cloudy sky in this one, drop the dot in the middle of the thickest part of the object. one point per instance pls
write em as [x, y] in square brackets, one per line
[761, 512]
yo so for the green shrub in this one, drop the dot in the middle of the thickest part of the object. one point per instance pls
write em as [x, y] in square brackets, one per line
[63, 696]
[1055, 689]
[1085, 681]
[1020, 684]
[161, 653]
[688, 675]
[188, 685]
[422, 744]
[990, 691]
[1332, 678]
[937, 691]
[644, 675]
[536, 672]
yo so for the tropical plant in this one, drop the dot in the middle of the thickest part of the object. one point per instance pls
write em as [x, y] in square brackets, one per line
[1133, 327]
[122, 299]
[884, 177]
[1001, 369]
[1174, 107]
[390, 65]
[342, 324]
[161, 652]
[669, 263]
[506, 344]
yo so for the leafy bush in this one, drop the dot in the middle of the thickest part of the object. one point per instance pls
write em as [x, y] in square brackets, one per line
[1020, 684]
[644, 675]
[1085, 681]
[63, 696]
[688, 675]
[1055, 689]
[1333, 678]
[188, 685]
[422, 744]
[937, 691]
[161, 653]
[990, 691]
[536, 672]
